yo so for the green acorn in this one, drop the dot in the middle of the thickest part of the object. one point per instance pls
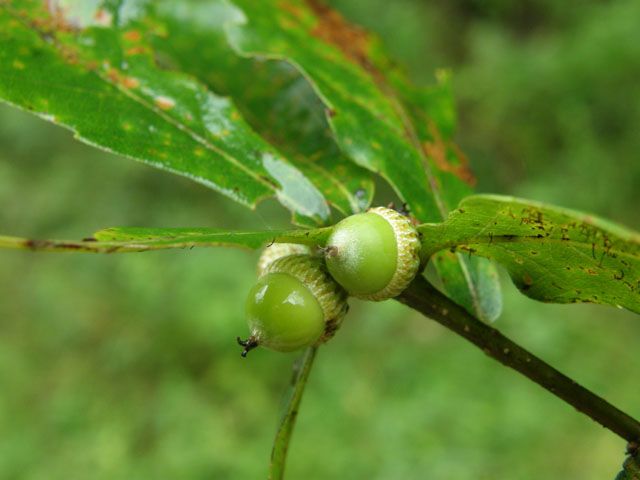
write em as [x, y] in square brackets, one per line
[294, 304]
[374, 255]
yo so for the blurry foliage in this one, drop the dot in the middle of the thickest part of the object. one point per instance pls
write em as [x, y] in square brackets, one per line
[125, 366]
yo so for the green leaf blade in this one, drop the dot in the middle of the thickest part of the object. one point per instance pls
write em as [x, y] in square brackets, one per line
[472, 282]
[101, 83]
[366, 124]
[273, 97]
[552, 254]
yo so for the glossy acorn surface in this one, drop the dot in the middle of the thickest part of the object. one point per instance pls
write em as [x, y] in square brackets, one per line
[362, 253]
[373, 255]
[283, 314]
[295, 304]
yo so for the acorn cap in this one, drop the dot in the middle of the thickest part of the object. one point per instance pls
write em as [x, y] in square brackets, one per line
[312, 272]
[278, 250]
[408, 259]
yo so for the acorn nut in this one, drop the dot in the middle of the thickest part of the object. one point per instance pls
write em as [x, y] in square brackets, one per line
[374, 255]
[294, 304]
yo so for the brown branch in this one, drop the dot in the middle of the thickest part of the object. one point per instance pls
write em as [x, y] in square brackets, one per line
[423, 297]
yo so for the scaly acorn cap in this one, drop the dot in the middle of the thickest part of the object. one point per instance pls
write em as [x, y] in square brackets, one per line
[278, 250]
[312, 272]
[408, 259]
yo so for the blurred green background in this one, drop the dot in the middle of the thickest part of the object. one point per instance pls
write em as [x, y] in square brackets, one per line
[125, 366]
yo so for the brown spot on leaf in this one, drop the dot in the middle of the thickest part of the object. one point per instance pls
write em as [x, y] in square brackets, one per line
[130, 82]
[31, 244]
[139, 50]
[333, 29]
[132, 36]
[164, 103]
[58, 20]
[437, 149]
[103, 17]
[113, 75]
[294, 10]
[69, 54]
[533, 216]
[72, 246]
